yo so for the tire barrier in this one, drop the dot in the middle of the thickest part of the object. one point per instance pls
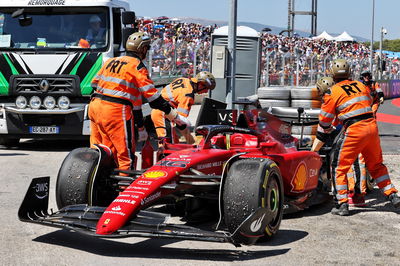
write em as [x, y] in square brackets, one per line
[265, 103]
[304, 93]
[308, 130]
[277, 93]
[291, 112]
[306, 103]
[274, 96]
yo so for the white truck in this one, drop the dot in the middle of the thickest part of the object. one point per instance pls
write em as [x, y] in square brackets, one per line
[49, 52]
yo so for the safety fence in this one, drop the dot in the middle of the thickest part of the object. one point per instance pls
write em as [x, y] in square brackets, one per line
[185, 59]
[295, 70]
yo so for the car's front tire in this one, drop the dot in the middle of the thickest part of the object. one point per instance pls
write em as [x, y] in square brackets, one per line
[250, 184]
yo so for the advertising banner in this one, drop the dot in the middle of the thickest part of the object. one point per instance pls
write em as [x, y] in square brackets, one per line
[391, 88]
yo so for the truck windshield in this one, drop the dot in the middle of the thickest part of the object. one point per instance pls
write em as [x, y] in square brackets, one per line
[54, 28]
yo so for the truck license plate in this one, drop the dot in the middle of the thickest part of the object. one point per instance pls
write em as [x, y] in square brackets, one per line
[44, 130]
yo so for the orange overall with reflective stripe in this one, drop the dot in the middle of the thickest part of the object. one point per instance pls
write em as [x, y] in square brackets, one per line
[112, 123]
[350, 102]
[180, 95]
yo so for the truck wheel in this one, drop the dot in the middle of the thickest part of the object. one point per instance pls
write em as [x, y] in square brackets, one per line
[75, 180]
[9, 142]
[250, 184]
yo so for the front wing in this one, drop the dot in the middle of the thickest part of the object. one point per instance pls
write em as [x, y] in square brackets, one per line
[82, 218]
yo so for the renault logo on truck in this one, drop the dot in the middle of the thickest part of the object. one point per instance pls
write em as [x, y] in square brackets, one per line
[44, 85]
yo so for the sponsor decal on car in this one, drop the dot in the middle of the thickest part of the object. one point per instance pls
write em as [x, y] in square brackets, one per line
[300, 178]
[107, 221]
[114, 212]
[150, 198]
[140, 188]
[180, 164]
[125, 201]
[130, 192]
[41, 190]
[209, 165]
[256, 225]
[144, 182]
[116, 208]
[155, 174]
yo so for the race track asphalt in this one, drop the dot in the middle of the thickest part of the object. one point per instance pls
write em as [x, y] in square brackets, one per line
[388, 118]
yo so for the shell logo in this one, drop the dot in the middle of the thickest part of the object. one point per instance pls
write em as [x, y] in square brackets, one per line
[299, 179]
[155, 174]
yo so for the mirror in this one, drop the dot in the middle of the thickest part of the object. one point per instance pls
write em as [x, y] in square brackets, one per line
[24, 21]
[128, 17]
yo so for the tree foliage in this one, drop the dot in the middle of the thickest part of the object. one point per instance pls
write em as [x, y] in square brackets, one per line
[389, 45]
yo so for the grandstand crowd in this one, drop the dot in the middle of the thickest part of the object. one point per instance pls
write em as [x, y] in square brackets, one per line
[177, 45]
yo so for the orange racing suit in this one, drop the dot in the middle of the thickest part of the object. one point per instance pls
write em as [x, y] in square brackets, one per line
[350, 102]
[358, 173]
[180, 95]
[120, 85]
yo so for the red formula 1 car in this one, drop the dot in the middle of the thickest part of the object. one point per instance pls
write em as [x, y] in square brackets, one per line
[245, 176]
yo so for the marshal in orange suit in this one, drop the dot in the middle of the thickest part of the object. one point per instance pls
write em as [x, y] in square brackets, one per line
[350, 102]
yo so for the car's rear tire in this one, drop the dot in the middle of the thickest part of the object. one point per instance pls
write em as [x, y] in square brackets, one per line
[250, 184]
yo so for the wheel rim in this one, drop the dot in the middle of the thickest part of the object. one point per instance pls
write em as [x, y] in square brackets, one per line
[273, 199]
[273, 202]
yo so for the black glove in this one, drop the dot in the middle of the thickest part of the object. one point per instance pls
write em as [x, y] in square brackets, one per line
[322, 136]
[381, 97]
[181, 127]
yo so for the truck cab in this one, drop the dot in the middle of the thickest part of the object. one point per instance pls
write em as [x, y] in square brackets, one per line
[50, 50]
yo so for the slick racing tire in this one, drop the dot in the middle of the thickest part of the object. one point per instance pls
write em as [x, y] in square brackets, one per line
[306, 103]
[74, 177]
[265, 103]
[251, 184]
[280, 93]
[304, 93]
[76, 182]
[9, 142]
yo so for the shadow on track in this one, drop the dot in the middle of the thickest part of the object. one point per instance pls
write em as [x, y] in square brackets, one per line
[12, 154]
[376, 201]
[150, 248]
[47, 145]
[284, 237]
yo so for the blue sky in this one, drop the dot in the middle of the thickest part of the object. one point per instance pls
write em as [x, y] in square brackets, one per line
[334, 16]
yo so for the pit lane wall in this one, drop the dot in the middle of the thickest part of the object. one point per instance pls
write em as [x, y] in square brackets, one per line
[391, 88]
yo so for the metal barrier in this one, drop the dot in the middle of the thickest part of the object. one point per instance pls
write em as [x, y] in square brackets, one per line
[185, 59]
